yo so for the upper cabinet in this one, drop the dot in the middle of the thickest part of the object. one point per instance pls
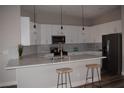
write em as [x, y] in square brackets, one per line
[28, 33]
[25, 30]
[73, 34]
[43, 33]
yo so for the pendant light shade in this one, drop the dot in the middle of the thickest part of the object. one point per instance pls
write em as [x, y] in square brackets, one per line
[34, 16]
[82, 17]
[61, 18]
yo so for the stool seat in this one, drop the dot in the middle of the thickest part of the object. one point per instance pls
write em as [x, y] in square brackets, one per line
[93, 65]
[64, 70]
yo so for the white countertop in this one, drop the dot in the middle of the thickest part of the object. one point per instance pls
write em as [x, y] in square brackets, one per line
[35, 60]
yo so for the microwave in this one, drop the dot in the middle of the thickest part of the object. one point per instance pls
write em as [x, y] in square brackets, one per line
[58, 39]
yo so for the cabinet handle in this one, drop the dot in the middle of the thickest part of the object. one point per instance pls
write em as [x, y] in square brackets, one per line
[108, 46]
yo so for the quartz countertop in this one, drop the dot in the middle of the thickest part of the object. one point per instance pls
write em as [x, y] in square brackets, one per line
[36, 60]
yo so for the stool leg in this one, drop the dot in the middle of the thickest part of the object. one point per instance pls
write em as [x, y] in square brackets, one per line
[98, 77]
[86, 77]
[66, 79]
[69, 79]
[58, 80]
[62, 79]
[92, 77]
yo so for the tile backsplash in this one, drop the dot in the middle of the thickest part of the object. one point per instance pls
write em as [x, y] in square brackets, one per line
[83, 47]
[27, 50]
[38, 49]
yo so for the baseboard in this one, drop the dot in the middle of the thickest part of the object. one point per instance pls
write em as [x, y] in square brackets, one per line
[8, 83]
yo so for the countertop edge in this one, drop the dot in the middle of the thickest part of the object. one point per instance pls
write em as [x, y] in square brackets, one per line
[65, 62]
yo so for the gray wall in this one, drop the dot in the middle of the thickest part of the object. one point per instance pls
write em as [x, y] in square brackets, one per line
[9, 40]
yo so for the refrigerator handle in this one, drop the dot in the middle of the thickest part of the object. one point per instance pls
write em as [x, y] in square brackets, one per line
[108, 46]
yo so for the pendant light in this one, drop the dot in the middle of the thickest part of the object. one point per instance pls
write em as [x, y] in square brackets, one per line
[61, 18]
[34, 17]
[82, 17]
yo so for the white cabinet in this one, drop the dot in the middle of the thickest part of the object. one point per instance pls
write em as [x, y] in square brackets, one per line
[55, 30]
[81, 34]
[48, 34]
[25, 30]
[38, 34]
[94, 34]
[45, 34]
[67, 32]
[28, 33]
[85, 35]
[33, 34]
[47, 31]
[73, 34]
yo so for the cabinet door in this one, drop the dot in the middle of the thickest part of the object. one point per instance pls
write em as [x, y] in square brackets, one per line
[95, 34]
[25, 31]
[43, 34]
[74, 35]
[68, 36]
[80, 34]
[91, 34]
[28, 33]
[33, 34]
[85, 34]
[38, 34]
[48, 34]
[47, 31]
[67, 32]
[55, 30]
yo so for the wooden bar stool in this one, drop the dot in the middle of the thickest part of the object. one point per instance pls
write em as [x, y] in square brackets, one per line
[92, 67]
[61, 72]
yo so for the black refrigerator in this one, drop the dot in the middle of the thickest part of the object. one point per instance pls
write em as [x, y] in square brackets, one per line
[112, 49]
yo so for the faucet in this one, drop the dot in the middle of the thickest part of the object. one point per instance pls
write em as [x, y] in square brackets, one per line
[60, 48]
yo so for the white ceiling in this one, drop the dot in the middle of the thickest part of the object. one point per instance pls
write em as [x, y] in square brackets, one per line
[90, 11]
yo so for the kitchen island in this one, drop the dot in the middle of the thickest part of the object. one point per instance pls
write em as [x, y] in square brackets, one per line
[36, 71]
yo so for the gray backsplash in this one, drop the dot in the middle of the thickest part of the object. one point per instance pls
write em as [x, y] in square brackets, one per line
[43, 48]
[37, 49]
[28, 50]
[83, 47]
